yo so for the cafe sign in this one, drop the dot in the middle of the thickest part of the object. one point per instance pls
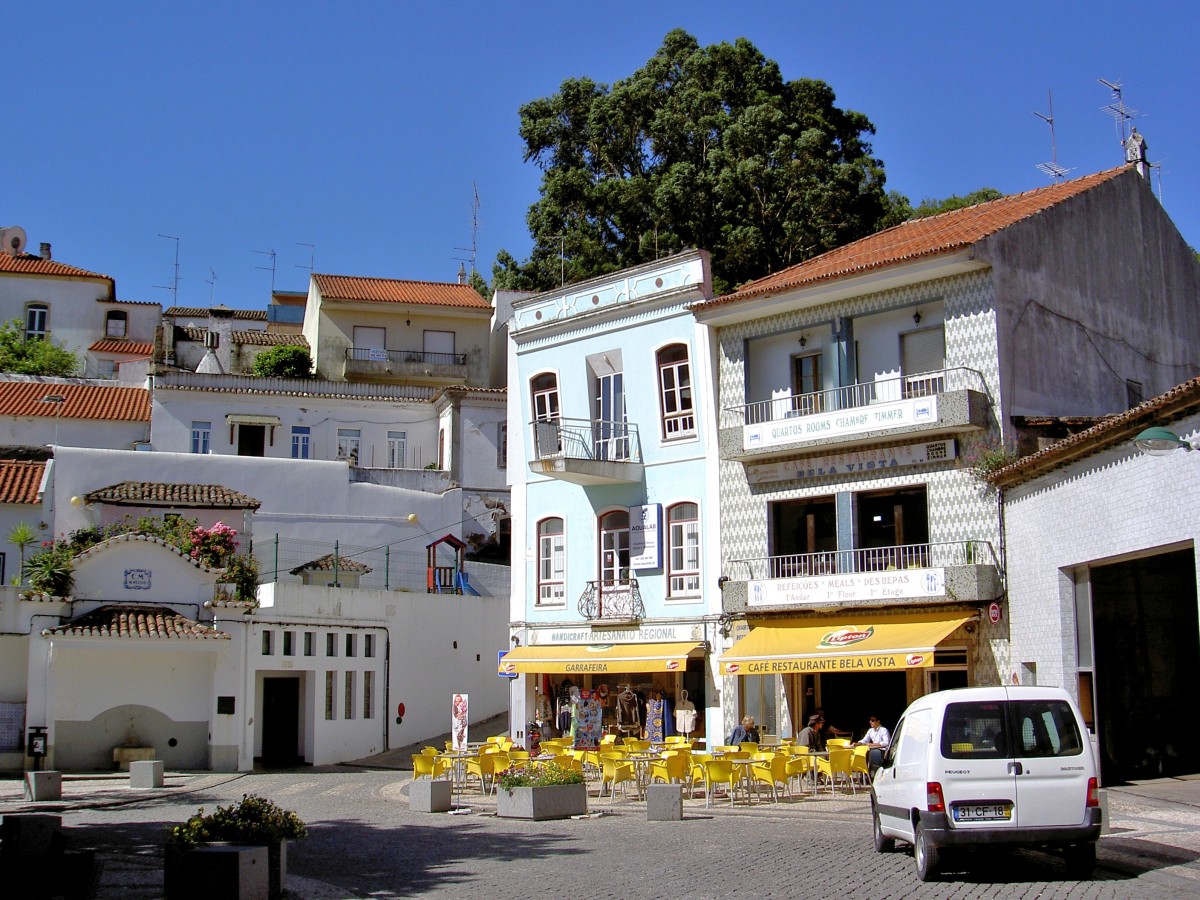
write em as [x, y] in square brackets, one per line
[855, 420]
[853, 462]
[899, 584]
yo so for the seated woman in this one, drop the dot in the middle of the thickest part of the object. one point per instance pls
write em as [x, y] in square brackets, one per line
[745, 732]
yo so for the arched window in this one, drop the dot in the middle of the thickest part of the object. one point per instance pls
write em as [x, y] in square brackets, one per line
[552, 562]
[614, 546]
[544, 390]
[37, 321]
[675, 392]
[683, 550]
[116, 323]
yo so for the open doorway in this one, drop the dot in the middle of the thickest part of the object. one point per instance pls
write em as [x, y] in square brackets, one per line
[281, 722]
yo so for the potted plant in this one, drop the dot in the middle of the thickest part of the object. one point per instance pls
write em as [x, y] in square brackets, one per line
[254, 820]
[540, 791]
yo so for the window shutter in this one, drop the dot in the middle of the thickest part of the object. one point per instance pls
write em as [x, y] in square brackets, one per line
[923, 351]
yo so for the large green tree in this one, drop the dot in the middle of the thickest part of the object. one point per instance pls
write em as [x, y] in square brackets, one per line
[701, 147]
[33, 356]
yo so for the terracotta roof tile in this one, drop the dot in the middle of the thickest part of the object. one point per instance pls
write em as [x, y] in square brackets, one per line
[30, 264]
[138, 623]
[916, 238]
[391, 290]
[118, 345]
[325, 564]
[201, 312]
[82, 401]
[159, 493]
[20, 479]
[250, 338]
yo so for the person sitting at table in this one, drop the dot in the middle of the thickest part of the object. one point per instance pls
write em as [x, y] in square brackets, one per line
[830, 730]
[811, 736]
[877, 738]
[744, 732]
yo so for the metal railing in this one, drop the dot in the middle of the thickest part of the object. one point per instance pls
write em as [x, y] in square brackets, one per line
[419, 357]
[883, 390]
[612, 599]
[601, 440]
[870, 559]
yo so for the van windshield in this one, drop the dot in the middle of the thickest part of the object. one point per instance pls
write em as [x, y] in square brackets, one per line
[1007, 729]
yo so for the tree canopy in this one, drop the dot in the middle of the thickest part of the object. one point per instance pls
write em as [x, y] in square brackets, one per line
[931, 207]
[33, 356]
[284, 361]
[704, 147]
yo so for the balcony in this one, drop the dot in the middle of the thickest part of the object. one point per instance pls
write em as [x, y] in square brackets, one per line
[945, 402]
[364, 364]
[612, 601]
[913, 574]
[583, 451]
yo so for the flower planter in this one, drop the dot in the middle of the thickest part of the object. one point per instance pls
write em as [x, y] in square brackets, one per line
[551, 801]
[188, 871]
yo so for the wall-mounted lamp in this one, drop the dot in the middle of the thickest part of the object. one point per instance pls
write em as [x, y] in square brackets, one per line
[917, 317]
[408, 321]
[411, 518]
[721, 582]
[969, 629]
[1160, 442]
[803, 340]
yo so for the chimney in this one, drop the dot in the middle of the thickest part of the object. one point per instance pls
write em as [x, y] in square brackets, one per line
[220, 326]
[462, 271]
[45, 250]
[1135, 152]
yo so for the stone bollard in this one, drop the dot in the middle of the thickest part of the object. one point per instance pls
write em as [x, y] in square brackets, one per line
[29, 835]
[146, 773]
[664, 802]
[41, 786]
[430, 795]
[231, 871]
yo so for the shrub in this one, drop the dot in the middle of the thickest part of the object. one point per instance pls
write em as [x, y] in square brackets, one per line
[537, 775]
[213, 547]
[255, 820]
[287, 361]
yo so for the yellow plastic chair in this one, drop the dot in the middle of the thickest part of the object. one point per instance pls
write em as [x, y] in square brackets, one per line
[672, 768]
[636, 746]
[859, 765]
[726, 748]
[674, 739]
[484, 768]
[613, 771]
[696, 771]
[799, 765]
[838, 764]
[518, 755]
[426, 766]
[719, 771]
[771, 769]
[738, 754]
[430, 751]
[608, 739]
[569, 762]
[836, 743]
[748, 746]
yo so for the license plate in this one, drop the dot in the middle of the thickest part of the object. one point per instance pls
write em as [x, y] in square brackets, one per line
[983, 812]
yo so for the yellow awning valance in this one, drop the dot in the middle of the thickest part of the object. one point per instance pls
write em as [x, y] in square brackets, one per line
[846, 643]
[598, 659]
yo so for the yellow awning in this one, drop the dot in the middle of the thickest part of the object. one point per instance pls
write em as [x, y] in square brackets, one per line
[860, 642]
[598, 658]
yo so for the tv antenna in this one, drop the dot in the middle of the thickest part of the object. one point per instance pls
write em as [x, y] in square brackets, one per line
[212, 280]
[1122, 114]
[174, 286]
[1052, 168]
[312, 256]
[271, 268]
[474, 230]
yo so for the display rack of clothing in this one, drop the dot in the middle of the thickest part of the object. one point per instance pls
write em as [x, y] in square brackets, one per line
[629, 720]
[685, 715]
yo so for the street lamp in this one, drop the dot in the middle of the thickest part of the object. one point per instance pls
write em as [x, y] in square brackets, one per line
[1158, 441]
[58, 400]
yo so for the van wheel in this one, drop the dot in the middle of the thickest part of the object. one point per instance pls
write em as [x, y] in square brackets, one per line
[1081, 860]
[925, 855]
[883, 844]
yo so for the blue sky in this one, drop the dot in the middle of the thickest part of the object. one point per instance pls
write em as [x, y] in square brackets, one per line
[361, 127]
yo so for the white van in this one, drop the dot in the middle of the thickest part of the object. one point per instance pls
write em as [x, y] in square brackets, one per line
[989, 765]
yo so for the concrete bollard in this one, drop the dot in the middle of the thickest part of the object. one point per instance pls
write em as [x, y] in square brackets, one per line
[219, 870]
[664, 802]
[146, 773]
[430, 795]
[41, 786]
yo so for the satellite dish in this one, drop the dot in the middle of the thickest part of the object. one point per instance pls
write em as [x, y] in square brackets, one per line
[13, 240]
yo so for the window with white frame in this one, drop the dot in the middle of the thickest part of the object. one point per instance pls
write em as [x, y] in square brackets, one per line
[544, 390]
[37, 321]
[675, 392]
[397, 449]
[301, 442]
[552, 562]
[202, 437]
[614, 546]
[116, 323]
[683, 551]
[349, 441]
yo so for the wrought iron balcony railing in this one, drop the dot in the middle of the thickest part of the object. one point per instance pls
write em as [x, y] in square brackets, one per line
[605, 441]
[418, 357]
[882, 390]
[872, 559]
[612, 599]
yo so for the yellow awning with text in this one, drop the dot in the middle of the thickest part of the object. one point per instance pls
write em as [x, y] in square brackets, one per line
[845, 643]
[598, 658]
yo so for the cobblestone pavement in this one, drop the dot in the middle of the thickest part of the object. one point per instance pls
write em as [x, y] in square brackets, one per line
[365, 842]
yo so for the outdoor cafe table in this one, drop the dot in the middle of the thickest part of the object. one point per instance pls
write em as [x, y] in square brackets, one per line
[457, 760]
[641, 765]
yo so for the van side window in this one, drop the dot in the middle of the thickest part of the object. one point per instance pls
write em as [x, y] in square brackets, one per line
[1045, 728]
[889, 755]
[976, 730]
[917, 726]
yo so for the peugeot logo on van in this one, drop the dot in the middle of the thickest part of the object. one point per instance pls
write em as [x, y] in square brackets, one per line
[844, 636]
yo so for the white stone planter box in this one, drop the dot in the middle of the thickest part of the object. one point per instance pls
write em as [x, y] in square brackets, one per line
[551, 801]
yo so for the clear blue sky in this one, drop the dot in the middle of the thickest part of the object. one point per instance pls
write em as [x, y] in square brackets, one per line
[360, 127]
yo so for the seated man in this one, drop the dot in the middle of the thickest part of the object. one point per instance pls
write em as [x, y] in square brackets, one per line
[811, 736]
[877, 738]
[746, 732]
